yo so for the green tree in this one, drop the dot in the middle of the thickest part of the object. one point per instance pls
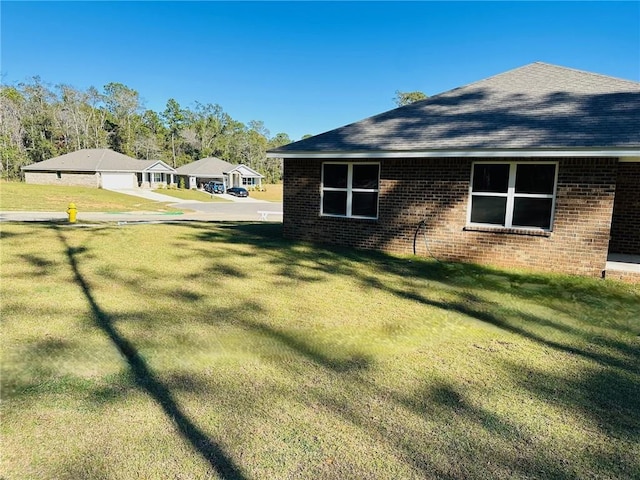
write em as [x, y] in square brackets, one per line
[38, 120]
[209, 122]
[174, 118]
[122, 103]
[405, 98]
[151, 133]
[12, 150]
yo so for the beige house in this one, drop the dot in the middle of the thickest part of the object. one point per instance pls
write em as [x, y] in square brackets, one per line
[101, 168]
[209, 169]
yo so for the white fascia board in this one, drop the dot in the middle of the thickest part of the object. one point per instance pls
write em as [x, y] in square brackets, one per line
[618, 152]
[245, 171]
[159, 166]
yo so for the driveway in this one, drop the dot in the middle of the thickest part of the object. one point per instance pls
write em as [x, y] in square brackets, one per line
[149, 195]
[158, 197]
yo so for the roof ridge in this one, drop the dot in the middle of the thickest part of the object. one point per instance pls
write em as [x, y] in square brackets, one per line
[529, 65]
[101, 159]
[593, 74]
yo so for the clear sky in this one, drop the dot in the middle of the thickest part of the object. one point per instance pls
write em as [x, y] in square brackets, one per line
[307, 67]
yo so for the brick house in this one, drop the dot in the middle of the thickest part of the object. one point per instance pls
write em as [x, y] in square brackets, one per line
[535, 168]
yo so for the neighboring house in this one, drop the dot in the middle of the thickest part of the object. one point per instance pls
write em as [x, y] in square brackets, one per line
[538, 168]
[102, 168]
[209, 169]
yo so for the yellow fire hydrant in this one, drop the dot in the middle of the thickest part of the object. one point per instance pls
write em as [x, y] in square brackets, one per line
[72, 211]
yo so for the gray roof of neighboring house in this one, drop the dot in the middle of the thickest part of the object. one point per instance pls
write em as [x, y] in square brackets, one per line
[537, 106]
[205, 167]
[92, 160]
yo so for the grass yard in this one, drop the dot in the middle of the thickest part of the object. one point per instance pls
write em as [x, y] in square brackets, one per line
[56, 198]
[185, 194]
[271, 193]
[204, 351]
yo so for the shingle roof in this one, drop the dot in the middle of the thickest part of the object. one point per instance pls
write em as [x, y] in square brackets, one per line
[92, 160]
[538, 106]
[205, 167]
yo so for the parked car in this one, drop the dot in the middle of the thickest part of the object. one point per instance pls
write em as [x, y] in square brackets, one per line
[238, 191]
[214, 187]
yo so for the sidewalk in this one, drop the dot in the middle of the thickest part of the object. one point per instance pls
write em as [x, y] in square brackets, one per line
[150, 195]
[136, 217]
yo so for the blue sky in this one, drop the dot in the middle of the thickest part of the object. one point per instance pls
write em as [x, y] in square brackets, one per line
[307, 67]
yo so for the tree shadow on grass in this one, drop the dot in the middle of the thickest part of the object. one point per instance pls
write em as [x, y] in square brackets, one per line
[609, 397]
[146, 380]
[529, 285]
[307, 349]
[443, 399]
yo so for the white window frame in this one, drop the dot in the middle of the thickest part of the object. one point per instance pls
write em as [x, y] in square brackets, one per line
[511, 195]
[350, 190]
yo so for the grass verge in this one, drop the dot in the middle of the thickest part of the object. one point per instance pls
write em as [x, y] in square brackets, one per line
[271, 193]
[19, 196]
[222, 351]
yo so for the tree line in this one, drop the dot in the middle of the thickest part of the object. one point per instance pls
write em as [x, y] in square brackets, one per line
[38, 122]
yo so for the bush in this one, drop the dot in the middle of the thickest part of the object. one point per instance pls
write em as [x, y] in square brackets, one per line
[181, 183]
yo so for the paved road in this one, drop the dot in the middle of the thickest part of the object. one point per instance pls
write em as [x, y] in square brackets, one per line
[201, 211]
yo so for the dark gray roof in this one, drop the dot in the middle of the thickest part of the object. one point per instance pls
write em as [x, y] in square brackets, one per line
[538, 106]
[93, 160]
[206, 167]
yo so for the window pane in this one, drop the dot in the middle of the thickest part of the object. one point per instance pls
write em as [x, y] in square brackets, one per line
[334, 203]
[488, 210]
[335, 176]
[532, 212]
[535, 178]
[364, 204]
[490, 178]
[365, 176]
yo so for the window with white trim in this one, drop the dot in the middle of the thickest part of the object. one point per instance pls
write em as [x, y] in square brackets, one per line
[513, 194]
[350, 189]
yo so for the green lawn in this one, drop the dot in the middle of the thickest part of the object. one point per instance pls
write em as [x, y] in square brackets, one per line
[203, 351]
[185, 194]
[270, 192]
[56, 198]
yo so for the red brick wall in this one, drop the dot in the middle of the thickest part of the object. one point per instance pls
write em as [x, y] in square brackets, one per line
[625, 228]
[436, 191]
[622, 276]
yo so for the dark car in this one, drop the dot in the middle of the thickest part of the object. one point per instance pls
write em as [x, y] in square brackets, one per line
[214, 187]
[238, 191]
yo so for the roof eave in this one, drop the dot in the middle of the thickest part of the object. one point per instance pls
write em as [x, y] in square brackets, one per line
[476, 153]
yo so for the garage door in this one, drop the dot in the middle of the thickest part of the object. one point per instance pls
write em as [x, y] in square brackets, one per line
[114, 181]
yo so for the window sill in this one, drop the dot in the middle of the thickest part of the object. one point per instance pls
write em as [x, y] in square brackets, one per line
[509, 231]
[345, 218]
